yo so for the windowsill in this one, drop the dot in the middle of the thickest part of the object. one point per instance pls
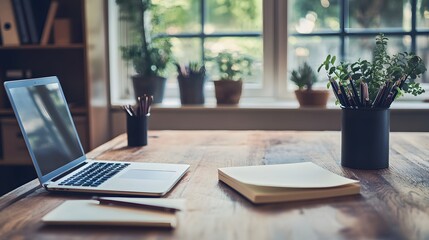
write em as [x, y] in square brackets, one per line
[264, 103]
[266, 114]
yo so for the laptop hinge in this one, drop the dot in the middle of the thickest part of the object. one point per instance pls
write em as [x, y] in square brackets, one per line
[68, 171]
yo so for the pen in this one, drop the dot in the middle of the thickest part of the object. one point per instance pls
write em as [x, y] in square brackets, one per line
[139, 108]
[135, 204]
[130, 108]
[149, 104]
[127, 110]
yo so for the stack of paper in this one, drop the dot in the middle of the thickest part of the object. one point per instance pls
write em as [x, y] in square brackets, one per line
[287, 182]
[117, 211]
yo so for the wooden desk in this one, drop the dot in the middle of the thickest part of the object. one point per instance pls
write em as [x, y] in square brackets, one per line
[394, 203]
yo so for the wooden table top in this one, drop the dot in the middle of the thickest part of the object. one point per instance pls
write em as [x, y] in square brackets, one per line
[394, 203]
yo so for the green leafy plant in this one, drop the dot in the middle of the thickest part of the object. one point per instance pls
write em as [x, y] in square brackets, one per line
[390, 76]
[233, 66]
[193, 70]
[149, 56]
[304, 77]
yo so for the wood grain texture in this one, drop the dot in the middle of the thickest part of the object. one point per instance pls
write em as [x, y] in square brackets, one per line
[394, 203]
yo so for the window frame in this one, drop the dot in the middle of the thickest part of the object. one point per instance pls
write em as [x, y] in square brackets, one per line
[275, 37]
[118, 70]
[344, 32]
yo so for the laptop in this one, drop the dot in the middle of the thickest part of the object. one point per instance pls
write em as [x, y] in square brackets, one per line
[57, 154]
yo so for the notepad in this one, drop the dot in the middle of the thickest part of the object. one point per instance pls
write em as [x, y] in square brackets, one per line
[287, 182]
[91, 212]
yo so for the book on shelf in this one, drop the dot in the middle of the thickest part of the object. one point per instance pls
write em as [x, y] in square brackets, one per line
[47, 29]
[21, 22]
[8, 27]
[287, 182]
[36, 12]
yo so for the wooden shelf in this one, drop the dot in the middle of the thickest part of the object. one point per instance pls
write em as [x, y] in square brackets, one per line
[46, 47]
[4, 112]
[80, 65]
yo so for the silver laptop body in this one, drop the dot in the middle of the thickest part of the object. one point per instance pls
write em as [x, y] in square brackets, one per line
[57, 154]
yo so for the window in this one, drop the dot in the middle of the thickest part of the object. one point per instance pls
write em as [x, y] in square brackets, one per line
[197, 29]
[294, 31]
[347, 28]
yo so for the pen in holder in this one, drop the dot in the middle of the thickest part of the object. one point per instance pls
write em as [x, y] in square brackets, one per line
[137, 121]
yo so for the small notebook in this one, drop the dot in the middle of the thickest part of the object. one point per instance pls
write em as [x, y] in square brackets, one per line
[287, 182]
[91, 212]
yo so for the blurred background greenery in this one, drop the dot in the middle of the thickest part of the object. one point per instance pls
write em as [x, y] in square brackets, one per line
[199, 29]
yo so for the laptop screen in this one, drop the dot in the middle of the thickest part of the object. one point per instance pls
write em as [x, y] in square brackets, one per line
[45, 118]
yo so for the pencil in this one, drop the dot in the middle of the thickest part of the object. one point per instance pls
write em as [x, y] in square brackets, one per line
[335, 89]
[378, 97]
[366, 95]
[345, 97]
[355, 93]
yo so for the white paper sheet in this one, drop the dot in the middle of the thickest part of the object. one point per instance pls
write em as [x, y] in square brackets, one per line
[294, 175]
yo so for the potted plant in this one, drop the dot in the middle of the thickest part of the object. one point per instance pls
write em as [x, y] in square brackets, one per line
[365, 90]
[304, 78]
[191, 80]
[149, 56]
[232, 67]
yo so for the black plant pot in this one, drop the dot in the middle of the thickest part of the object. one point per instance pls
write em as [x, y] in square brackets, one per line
[150, 85]
[191, 89]
[365, 138]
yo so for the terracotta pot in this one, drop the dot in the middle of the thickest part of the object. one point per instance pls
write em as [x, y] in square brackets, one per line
[228, 91]
[312, 98]
[150, 85]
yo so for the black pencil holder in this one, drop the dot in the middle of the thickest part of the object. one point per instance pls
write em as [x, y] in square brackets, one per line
[137, 130]
[365, 138]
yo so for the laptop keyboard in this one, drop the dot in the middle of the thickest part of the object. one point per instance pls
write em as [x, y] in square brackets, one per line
[94, 175]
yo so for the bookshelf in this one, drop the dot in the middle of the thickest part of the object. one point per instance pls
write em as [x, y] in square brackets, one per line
[81, 67]
[39, 47]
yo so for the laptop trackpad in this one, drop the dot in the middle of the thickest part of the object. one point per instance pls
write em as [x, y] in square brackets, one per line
[148, 174]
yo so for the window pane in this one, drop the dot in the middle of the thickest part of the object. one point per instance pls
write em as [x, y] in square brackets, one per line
[422, 14]
[177, 16]
[377, 14]
[233, 15]
[423, 52]
[184, 50]
[363, 47]
[306, 16]
[250, 46]
[312, 50]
